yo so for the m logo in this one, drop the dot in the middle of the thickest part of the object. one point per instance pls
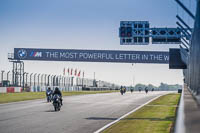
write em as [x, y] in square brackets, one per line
[36, 54]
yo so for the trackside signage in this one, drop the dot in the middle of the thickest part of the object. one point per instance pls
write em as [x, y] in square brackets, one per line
[114, 56]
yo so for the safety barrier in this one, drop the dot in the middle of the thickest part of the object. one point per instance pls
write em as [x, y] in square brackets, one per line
[10, 89]
[64, 88]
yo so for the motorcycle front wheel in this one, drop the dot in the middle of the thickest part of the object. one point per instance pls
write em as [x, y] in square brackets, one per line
[55, 108]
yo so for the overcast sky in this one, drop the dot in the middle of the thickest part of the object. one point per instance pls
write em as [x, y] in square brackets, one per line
[86, 24]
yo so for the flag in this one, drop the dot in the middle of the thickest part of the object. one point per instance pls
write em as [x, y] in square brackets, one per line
[64, 71]
[75, 72]
[79, 73]
[71, 71]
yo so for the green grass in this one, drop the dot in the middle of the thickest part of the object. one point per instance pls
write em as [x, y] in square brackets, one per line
[156, 117]
[15, 97]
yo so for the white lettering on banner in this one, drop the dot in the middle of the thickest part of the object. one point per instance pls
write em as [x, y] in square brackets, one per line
[145, 57]
[108, 56]
[99, 55]
[166, 57]
[51, 54]
[156, 57]
[96, 56]
[56, 54]
[136, 56]
[127, 56]
[68, 55]
[159, 57]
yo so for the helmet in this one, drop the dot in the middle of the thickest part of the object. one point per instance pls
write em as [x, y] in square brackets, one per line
[56, 89]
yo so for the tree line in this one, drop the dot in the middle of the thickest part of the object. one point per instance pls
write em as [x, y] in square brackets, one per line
[162, 87]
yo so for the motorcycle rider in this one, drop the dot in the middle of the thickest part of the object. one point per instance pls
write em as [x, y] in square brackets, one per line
[49, 92]
[121, 90]
[124, 89]
[131, 90]
[58, 92]
[140, 89]
[146, 90]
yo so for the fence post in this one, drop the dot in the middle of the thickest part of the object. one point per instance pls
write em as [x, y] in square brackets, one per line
[34, 79]
[26, 84]
[30, 78]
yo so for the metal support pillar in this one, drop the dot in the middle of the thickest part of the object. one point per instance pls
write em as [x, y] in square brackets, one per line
[185, 8]
[8, 75]
[31, 79]
[2, 76]
[34, 79]
[26, 84]
[181, 20]
[38, 79]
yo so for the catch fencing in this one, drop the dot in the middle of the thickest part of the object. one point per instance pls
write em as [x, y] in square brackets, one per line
[36, 82]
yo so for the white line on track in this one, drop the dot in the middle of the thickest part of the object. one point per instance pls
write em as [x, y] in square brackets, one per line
[108, 125]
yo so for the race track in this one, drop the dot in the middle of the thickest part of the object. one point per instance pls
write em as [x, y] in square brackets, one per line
[80, 114]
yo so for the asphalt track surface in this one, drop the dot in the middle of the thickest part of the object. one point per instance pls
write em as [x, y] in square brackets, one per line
[80, 114]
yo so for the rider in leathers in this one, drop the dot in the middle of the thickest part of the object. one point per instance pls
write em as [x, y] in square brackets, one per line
[49, 90]
[58, 92]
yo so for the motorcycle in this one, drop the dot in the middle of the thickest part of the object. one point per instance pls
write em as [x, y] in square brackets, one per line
[122, 92]
[131, 90]
[56, 102]
[49, 96]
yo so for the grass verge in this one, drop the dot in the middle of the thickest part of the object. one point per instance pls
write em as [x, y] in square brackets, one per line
[155, 117]
[15, 97]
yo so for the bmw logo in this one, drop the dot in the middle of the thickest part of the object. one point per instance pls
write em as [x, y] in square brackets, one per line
[22, 54]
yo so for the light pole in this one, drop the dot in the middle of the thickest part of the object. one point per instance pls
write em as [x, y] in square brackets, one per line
[63, 78]
[64, 81]
[16, 79]
[82, 81]
[52, 80]
[8, 75]
[26, 84]
[42, 79]
[38, 79]
[23, 80]
[30, 78]
[34, 79]
[94, 81]
[48, 80]
[45, 80]
[60, 81]
[57, 80]
[133, 74]
[2, 77]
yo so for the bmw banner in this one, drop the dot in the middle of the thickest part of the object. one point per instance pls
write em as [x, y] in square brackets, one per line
[115, 56]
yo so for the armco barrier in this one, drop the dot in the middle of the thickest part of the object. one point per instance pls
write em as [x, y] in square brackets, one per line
[3, 89]
[39, 89]
[18, 89]
[10, 89]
